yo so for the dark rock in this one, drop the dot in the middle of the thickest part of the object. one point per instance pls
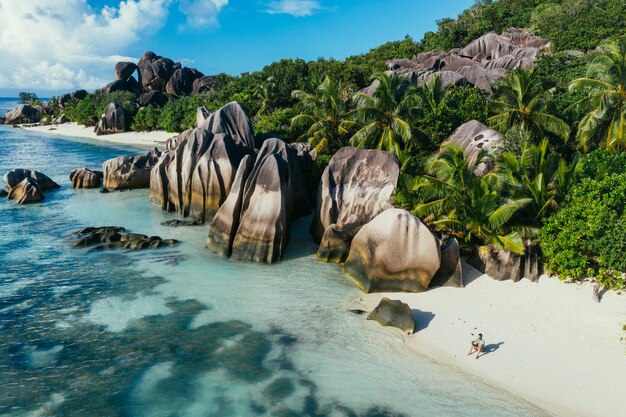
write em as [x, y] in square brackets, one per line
[203, 84]
[128, 172]
[61, 120]
[24, 113]
[155, 98]
[180, 223]
[85, 178]
[113, 121]
[155, 71]
[505, 265]
[181, 82]
[15, 176]
[394, 313]
[355, 187]
[117, 85]
[112, 238]
[78, 95]
[3, 192]
[202, 113]
[233, 120]
[26, 191]
[104, 191]
[450, 274]
[124, 70]
[375, 262]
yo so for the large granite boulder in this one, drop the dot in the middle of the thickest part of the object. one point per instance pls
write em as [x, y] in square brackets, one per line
[202, 113]
[181, 82]
[63, 99]
[15, 176]
[195, 175]
[355, 187]
[155, 71]
[152, 97]
[394, 313]
[502, 264]
[450, 273]
[23, 113]
[474, 137]
[26, 191]
[233, 120]
[112, 121]
[394, 252]
[85, 178]
[124, 70]
[203, 84]
[254, 224]
[129, 172]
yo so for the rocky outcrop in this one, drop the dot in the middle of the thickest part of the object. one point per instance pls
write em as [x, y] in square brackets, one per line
[394, 313]
[113, 238]
[195, 175]
[481, 63]
[154, 98]
[15, 176]
[203, 84]
[450, 273]
[61, 120]
[394, 252]
[26, 191]
[23, 113]
[128, 172]
[124, 70]
[355, 187]
[503, 265]
[202, 113]
[181, 81]
[254, 224]
[3, 193]
[85, 178]
[155, 71]
[78, 95]
[473, 138]
[113, 121]
[180, 223]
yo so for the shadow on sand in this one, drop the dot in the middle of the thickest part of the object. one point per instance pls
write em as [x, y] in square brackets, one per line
[422, 319]
[491, 348]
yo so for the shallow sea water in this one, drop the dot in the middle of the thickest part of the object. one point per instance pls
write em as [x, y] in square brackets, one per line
[182, 332]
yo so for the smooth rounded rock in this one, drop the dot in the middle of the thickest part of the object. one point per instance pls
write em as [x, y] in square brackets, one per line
[394, 313]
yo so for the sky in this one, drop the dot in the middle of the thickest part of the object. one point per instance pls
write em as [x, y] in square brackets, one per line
[54, 46]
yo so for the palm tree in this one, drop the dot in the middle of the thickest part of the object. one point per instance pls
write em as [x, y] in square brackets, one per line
[519, 101]
[605, 123]
[322, 117]
[540, 176]
[383, 117]
[264, 92]
[456, 200]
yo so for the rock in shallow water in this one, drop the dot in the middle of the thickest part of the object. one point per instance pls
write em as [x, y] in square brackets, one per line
[85, 178]
[394, 313]
[15, 176]
[394, 252]
[112, 237]
[26, 191]
[128, 172]
[180, 223]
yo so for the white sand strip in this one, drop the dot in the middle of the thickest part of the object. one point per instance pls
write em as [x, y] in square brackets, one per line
[549, 342]
[145, 139]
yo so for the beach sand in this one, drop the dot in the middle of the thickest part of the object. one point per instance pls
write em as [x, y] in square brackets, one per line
[548, 342]
[142, 139]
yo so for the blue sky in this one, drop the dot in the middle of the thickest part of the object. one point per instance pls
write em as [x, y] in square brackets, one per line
[52, 46]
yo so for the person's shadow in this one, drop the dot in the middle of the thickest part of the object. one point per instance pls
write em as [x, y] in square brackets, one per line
[491, 348]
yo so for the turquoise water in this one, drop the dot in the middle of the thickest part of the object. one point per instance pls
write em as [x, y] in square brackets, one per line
[182, 332]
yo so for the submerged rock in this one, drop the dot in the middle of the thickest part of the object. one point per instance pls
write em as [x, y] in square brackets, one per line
[26, 191]
[355, 187]
[394, 252]
[180, 223]
[112, 237]
[394, 313]
[85, 178]
[129, 172]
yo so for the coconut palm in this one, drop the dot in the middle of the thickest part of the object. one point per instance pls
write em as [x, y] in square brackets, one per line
[322, 117]
[519, 101]
[263, 91]
[605, 122]
[456, 200]
[383, 117]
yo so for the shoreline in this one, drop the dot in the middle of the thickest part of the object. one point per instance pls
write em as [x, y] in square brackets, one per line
[138, 139]
[548, 342]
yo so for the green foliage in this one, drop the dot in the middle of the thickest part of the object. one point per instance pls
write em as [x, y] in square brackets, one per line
[605, 123]
[26, 97]
[147, 119]
[89, 110]
[600, 163]
[275, 123]
[588, 236]
[579, 24]
[83, 111]
[180, 114]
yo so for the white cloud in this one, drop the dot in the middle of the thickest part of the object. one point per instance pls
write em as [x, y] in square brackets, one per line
[65, 44]
[293, 7]
[200, 14]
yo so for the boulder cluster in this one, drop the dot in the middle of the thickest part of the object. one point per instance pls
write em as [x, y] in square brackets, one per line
[481, 63]
[26, 186]
[129, 172]
[113, 237]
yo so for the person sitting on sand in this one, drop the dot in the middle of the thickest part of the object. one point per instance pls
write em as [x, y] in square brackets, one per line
[477, 345]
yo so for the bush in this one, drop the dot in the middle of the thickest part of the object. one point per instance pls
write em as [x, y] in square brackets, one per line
[147, 119]
[275, 123]
[588, 236]
[180, 114]
[89, 110]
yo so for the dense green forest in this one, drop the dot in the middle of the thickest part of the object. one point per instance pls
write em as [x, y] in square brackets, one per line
[559, 180]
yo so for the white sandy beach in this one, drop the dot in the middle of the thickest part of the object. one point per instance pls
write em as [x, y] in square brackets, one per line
[548, 342]
[144, 139]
